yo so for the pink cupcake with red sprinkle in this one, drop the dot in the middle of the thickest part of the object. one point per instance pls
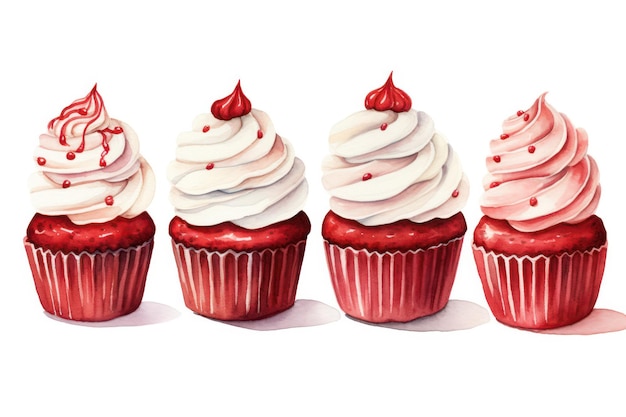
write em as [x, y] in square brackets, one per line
[239, 232]
[539, 248]
[394, 233]
[89, 244]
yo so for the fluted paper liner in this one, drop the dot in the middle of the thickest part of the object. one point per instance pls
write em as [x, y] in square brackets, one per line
[394, 286]
[541, 292]
[86, 286]
[235, 285]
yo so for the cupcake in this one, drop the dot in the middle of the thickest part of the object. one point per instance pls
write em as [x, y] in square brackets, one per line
[394, 231]
[90, 242]
[239, 232]
[539, 248]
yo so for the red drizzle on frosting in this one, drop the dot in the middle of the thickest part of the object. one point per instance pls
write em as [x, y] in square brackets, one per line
[388, 97]
[234, 105]
[78, 110]
[367, 176]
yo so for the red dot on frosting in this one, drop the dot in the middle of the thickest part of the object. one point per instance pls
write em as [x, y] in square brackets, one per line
[494, 184]
[504, 136]
[531, 149]
[455, 193]
[388, 97]
[41, 161]
[117, 130]
[533, 201]
[70, 155]
[66, 184]
[526, 117]
[383, 126]
[259, 134]
[108, 200]
[234, 105]
[82, 112]
[206, 128]
[496, 158]
[367, 176]
[210, 166]
[520, 112]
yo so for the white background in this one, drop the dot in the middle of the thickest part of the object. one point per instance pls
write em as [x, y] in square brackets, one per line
[308, 65]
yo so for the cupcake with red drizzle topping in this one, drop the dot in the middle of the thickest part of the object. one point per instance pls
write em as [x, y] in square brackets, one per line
[90, 242]
[239, 232]
[394, 231]
[539, 248]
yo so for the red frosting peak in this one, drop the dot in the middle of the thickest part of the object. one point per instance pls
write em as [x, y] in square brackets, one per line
[388, 97]
[234, 105]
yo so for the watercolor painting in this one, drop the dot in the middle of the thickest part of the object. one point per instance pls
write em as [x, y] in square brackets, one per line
[359, 208]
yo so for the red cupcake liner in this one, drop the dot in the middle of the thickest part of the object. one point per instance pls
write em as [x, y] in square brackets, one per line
[235, 285]
[541, 292]
[86, 286]
[399, 286]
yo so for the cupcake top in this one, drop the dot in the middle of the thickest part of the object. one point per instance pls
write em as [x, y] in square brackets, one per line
[90, 166]
[539, 171]
[233, 167]
[388, 163]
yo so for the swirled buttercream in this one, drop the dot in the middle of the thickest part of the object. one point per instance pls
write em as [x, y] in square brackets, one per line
[539, 173]
[233, 166]
[90, 166]
[388, 163]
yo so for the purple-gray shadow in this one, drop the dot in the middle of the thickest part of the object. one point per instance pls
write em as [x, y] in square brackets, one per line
[148, 313]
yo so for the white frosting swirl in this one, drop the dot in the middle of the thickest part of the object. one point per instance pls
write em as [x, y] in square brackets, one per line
[228, 173]
[107, 176]
[386, 166]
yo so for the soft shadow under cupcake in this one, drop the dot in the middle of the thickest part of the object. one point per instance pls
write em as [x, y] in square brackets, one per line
[304, 313]
[456, 315]
[148, 313]
[599, 321]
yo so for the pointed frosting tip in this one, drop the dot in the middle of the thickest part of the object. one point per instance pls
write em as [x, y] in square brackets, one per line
[234, 105]
[388, 97]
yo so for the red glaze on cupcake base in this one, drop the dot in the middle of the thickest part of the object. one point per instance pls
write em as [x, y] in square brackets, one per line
[540, 280]
[228, 272]
[392, 273]
[93, 272]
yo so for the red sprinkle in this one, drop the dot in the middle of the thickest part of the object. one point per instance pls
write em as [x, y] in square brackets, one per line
[526, 117]
[259, 134]
[109, 200]
[206, 128]
[66, 184]
[533, 201]
[367, 176]
[41, 160]
[383, 126]
[496, 158]
[210, 165]
[455, 193]
[531, 149]
[494, 184]
[504, 136]
[520, 112]
[70, 156]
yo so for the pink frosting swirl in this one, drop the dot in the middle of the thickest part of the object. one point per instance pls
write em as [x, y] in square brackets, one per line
[539, 171]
